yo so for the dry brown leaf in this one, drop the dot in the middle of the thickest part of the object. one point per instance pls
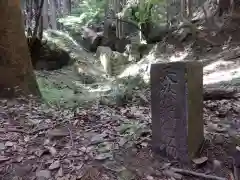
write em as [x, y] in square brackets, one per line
[200, 160]
[60, 172]
[172, 174]
[9, 144]
[54, 165]
[52, 150]
[57, 133]
[19, 159]
[103, 156]
[39, 152]
[43, 174]
[2, 146]
[4, 158]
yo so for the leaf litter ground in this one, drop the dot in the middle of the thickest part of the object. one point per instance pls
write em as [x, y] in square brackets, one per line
[102, 142]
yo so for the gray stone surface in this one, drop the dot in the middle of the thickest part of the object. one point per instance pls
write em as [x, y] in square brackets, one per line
[177, 104]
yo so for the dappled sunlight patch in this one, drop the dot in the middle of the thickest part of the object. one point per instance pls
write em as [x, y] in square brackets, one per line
[59, 34]
[72, 20]
[220, 76]
[179, 56]
[216, 64]
[62, 39]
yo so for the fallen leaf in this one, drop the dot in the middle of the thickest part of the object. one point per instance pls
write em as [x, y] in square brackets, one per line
[215, 127]
[57, 133]
[4, 158]
[22, 170]
[16, 178]
[143, 97]
[67, 177]
[9, 144]
[43, 174]
[49, 162]
[75, 122]
[216, 164]
[99, 138]
[2, 146]
[86, 158]
[171, 173]
[231, 176]
[114, 166]
[52, 150]
[106, 147]
[39, 152]
[166, 165]
[59, 173]
[149, 178]
[83, 149]
[103, 156]
[122, 141]
[46, 141]
[144, 144]
[54, 165]
[219, 139]
[26, 138]
[79, 166]
[31, 157]
[200, 160]
[19, 159]
[73, 177]
[126, 175]
[123, 128]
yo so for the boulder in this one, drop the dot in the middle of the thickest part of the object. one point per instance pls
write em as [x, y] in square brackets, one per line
[45, 57]
[113, 62]
[104, 55]
[91, 39]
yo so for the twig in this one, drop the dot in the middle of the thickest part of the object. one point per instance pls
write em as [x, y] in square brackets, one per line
[38, 130]
[4, 130]
[172, 174]
[187, 172]
[235, 172]
[71, 137]
[10, 129]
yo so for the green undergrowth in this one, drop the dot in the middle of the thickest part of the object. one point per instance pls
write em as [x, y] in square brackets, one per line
[68, 89]
[69, 93]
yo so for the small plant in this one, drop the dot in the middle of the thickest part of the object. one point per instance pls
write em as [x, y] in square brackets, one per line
[90, 10]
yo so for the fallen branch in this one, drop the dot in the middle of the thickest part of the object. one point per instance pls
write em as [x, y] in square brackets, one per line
[173, 174]
[33, 132]
[71, 137]
[4, 130]
[219, 93]
[10, 129]
[187, 172]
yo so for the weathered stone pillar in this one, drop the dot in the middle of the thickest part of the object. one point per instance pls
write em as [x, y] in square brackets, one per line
[177, 105]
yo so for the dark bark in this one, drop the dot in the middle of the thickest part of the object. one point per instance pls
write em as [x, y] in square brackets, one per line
[15, 62]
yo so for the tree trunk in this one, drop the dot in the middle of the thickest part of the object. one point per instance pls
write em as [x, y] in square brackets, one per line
[118, 6]
[15, 63]
[45, 14]
[189, 8]
[183, 9]
[53, 16]
[66, 7]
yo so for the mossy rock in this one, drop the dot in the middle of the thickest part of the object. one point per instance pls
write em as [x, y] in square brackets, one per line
[47, 57]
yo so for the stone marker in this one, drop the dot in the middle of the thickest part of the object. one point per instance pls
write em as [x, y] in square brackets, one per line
[177, 105]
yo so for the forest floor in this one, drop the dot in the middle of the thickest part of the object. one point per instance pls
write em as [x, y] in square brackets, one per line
[108, 142]
[113, 142]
